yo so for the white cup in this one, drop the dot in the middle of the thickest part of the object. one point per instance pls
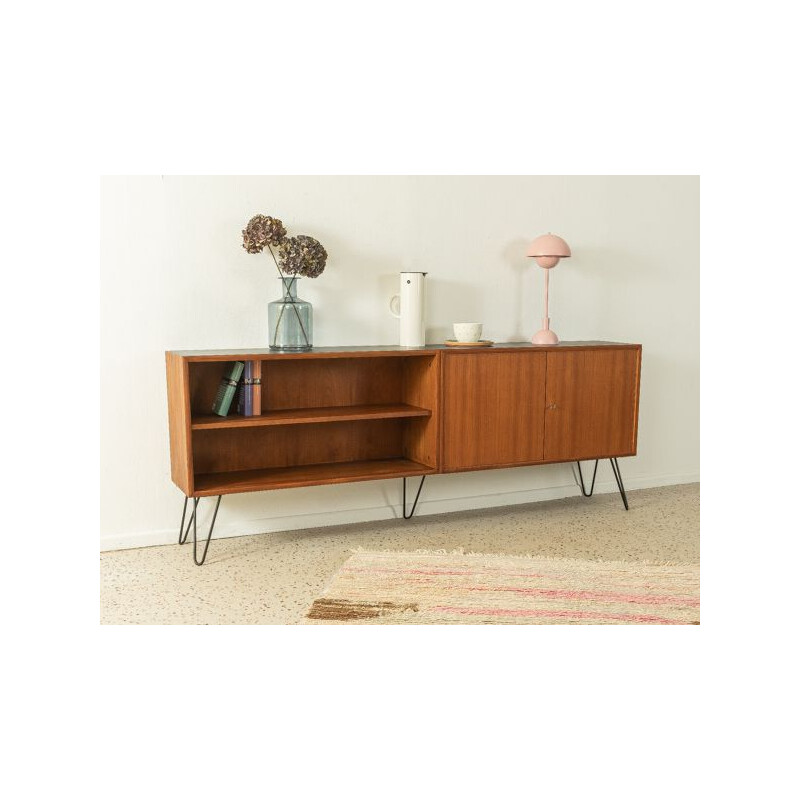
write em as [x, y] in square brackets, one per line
[468, 331]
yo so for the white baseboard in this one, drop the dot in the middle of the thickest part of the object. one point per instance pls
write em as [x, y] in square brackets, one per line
[425, 507]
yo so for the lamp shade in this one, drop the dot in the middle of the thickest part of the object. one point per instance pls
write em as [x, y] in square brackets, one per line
[548, 249]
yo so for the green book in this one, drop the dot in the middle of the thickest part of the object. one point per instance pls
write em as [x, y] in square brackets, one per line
[227, 389]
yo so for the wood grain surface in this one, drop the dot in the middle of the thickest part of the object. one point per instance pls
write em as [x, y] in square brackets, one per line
[591, 407]
[349, 414]
[179, 415]
[306, 416]
[308, 475]
[493, 409]
[421, 388]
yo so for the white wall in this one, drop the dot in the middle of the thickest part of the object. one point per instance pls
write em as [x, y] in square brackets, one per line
[174, 276]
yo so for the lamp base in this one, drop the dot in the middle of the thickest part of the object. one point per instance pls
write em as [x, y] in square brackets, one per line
[545, 336]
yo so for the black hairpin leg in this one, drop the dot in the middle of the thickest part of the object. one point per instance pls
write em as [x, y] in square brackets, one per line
[184, 533]
[617, 477]
[181, 533]
[414, 507]
[583, 488]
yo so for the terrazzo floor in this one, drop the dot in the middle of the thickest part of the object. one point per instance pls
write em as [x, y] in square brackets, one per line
[272, 579]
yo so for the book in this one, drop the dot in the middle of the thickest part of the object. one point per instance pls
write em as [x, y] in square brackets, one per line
[249, 396]
[256, 388]
[243, 390]
[227, 389]
[238, 399]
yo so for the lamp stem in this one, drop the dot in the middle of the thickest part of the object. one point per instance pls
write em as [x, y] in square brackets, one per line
[546, 322]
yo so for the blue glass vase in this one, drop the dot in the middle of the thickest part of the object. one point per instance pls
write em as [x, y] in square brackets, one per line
[291, 320]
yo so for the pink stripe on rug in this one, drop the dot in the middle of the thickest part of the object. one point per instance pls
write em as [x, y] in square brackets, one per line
[643, 599]
[556, 614]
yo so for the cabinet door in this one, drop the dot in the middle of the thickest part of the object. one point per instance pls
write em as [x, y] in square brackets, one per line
[592, 403]
[493, 409]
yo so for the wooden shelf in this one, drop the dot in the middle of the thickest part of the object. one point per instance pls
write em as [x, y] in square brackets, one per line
[256, 480]
[305, 416]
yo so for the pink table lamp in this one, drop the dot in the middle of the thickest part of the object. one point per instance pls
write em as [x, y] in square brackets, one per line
[548, 250]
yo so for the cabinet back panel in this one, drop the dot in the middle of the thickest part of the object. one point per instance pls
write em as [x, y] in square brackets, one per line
[330, 382]
[232, 449]
[204, 379]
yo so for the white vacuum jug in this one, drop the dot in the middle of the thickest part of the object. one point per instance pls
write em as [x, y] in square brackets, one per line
[409, 308]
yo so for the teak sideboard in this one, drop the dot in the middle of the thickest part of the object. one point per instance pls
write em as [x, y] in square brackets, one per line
[342, 414]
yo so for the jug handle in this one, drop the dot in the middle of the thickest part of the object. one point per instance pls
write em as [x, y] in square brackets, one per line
[392, 304]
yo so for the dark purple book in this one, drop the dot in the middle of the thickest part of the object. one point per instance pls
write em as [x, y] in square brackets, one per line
[247, 389]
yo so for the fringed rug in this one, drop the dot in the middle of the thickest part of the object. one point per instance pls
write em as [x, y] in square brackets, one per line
[440, 588]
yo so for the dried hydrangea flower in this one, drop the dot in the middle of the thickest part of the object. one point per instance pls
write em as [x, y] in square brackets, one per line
[302, 255]
[314, 257]
[290, 256]
[261, 231]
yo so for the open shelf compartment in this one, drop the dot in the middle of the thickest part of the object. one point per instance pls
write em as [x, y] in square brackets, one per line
[323, 420]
